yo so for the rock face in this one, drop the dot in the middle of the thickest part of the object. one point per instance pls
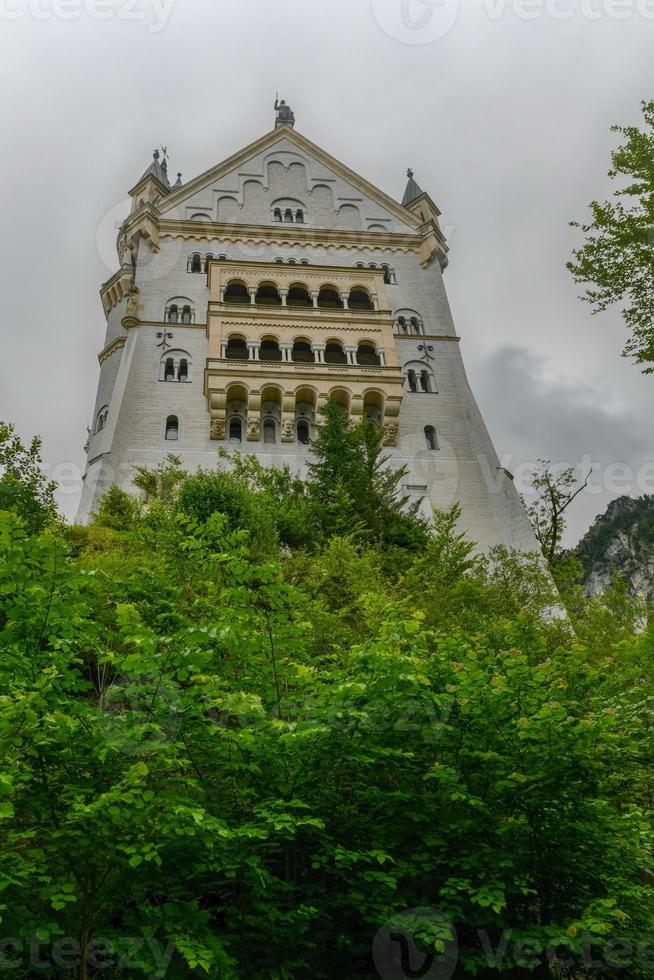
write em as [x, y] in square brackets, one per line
[621, 541]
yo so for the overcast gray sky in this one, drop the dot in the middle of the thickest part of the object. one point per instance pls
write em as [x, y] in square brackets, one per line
[503, 107]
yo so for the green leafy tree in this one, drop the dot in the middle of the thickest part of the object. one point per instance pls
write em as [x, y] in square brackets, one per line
[118, 510]
[616, 261]
[354, 487]
[24, 487]
[555, 494]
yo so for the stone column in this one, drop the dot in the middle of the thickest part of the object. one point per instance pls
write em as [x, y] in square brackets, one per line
[351, 353]
[314, 296]
[284, 295]
[287, 351]
[252, 290]
[345, 300]
[254, 347]
[381, 354]
[223, 348]
[319, 351]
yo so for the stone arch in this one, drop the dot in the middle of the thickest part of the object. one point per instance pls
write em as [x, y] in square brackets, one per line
[228, 209]
[408, 323]
[349, 217]
[179, 309]
[175, 365]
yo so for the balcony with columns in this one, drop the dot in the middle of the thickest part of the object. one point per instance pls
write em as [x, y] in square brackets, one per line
[324, 328]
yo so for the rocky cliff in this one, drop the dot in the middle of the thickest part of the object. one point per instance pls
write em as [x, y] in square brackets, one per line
[621, 541]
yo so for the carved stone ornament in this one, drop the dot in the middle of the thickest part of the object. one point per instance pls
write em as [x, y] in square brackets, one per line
[390, 435]
[217, 429]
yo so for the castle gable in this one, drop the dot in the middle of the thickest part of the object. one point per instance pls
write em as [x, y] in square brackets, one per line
[283, 178]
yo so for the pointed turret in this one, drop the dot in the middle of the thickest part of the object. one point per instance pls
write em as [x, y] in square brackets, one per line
[157, 170]
[413, 190]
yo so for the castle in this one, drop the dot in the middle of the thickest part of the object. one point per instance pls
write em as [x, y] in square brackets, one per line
[278, 279]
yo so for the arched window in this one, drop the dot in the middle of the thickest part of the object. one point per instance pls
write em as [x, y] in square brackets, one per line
[299, 216]
[334, 354]
[207, 260]
[298, 296]
[237, 292]
[303, 352]
[304, 262]
[186, 314]
[269, 431]
[303, 432]
[330, 299]
[183, 370]
[415, 325]
[279, 261]
[269, 350]
[277, 214]
[235, 430]
[425, 381]
[169, 370]
[367, 354]
[431, 438]
[172, 428]
[413, 381]
[172, 313]
[237, 349]
[196, 262]
[401, 324]
[360, 300]
[288, 215]
[389, 274]
[268, 295]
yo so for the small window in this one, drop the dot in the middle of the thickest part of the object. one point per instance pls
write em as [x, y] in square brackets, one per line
[269, 431]
[277, 214]
[183, 370]
[425, 381]
[411, 378]
[101, 420]
[431, 438]
[173, 314]
[299, 216]
[172, 428]
[288, 215]
[415, 326]
[186, 314]
[303, 432]
[401, 325]
[235, 430]
[196, 263]
[169, 372]
[389, 275]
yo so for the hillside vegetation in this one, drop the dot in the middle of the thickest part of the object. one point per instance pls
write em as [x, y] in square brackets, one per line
[264, 728]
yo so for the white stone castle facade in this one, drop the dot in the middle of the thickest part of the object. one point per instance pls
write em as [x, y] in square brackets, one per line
[248, 296]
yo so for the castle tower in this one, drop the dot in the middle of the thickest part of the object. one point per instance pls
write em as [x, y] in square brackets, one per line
[278, 279]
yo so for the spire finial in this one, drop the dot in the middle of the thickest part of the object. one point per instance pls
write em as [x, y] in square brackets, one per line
[410, 174]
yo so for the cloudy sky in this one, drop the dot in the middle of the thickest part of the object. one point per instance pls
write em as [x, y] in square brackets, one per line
[503, 107]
